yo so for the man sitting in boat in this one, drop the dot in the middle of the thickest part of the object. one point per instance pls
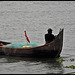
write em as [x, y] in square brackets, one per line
[49, 36]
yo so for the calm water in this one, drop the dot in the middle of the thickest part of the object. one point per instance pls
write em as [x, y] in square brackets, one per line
[36, 17]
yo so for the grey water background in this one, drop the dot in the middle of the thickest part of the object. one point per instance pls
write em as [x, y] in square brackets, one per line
[36, 17]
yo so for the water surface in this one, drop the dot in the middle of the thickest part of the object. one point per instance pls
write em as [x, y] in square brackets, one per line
[36, 17]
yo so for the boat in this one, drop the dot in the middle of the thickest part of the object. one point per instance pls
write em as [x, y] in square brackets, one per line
[51, 50]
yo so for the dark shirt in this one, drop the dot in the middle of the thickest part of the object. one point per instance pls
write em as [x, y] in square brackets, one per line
[49, 37]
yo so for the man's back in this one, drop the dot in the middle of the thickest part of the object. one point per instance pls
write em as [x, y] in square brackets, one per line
[49, 37]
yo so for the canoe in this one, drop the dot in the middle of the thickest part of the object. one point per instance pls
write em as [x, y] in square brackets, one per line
[51, 50]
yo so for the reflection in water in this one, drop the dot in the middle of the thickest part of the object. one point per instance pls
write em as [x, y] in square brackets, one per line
[31, 65]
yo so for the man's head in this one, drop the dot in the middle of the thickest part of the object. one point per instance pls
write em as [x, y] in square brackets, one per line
[49, 30]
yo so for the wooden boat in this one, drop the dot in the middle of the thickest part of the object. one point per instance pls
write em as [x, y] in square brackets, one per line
[51, 50]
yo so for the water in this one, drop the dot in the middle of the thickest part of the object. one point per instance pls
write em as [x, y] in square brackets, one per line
[36, 17]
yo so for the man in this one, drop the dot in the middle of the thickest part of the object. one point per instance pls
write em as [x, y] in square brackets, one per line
[49, 37]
